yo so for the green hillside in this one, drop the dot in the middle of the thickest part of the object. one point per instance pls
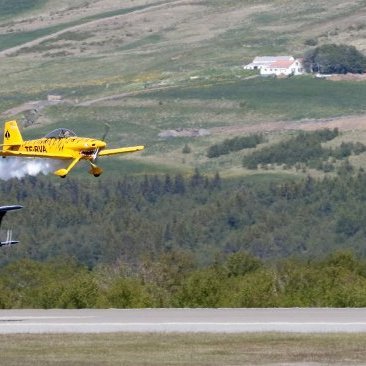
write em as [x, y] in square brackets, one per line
[121, 64]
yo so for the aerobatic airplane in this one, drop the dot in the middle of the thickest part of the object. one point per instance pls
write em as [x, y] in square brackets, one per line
[3, 211]
[60, 144]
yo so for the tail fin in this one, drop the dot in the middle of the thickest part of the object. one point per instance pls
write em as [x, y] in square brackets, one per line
[3, 211]
[12, 135]
[9, 239]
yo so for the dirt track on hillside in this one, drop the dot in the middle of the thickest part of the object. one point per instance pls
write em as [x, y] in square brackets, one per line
[348, 123]
[93, 23]
[193, 21]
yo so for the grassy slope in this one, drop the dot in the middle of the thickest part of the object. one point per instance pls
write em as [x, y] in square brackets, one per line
[196, 52]
[15, 7]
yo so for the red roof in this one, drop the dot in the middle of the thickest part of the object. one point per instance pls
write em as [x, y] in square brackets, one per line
[281, 64]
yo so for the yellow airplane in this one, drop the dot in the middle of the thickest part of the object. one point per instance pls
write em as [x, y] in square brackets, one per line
[61, 144]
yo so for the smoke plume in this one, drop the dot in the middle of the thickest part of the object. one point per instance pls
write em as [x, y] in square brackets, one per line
[20, 167]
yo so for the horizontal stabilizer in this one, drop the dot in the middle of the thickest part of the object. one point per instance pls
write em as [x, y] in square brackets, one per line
[9, 239]
[8, 242]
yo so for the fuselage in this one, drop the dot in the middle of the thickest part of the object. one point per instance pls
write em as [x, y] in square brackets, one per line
[66, 147]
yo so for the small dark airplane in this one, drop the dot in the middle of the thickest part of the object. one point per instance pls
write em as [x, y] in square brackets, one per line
[3, 211]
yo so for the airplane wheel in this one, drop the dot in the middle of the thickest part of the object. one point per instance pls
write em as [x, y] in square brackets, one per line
[96, 175]
[62, 176]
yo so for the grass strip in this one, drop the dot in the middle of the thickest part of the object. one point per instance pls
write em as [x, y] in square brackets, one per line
[182, 349]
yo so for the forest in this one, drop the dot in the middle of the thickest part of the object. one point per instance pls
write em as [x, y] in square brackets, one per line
[101, 221]
[174, 240]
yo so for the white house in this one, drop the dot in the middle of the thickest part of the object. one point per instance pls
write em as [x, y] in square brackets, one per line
[276, 65]
[262, 61]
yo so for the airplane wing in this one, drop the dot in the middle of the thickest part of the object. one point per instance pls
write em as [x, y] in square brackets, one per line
[8, 242]
[10, 208]
[5, 209]
[2, 214]
[121, 150]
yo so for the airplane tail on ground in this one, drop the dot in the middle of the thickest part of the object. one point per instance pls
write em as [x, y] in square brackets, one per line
[12, 135]
[9, 233]
[9, 239]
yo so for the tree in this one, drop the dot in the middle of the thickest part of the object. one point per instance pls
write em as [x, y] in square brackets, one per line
[81, 292]
[335, 59]
[203, 288]
[186, 149]
[241, 263]
[127, 293]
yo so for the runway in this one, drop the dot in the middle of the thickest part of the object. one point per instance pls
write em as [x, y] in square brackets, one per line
[314, 320]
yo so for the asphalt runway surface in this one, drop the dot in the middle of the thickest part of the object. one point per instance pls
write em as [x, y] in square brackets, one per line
[312, 320]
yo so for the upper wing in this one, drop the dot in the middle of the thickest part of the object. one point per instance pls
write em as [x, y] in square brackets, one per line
[121, 150]
[2, 214]
[5, 209]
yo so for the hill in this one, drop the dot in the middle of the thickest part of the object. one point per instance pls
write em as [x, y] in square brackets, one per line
[148, 67]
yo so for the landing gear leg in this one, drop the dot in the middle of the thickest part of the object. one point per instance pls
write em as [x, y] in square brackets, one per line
[63, 172]
[95, 170]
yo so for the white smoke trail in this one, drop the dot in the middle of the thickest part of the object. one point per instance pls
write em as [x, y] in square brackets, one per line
[20, 167]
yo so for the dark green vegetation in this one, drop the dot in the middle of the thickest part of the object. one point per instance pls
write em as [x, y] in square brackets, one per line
[234, 144]
[176, 241]
[99, 222]
[335, 59]
[183, 349]
[305, 148]
[173, 279]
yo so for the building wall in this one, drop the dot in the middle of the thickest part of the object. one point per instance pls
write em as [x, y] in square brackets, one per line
[296, 68]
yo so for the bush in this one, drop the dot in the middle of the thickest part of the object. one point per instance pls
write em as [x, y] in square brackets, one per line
[335, 59]
[234, 144]
[303, 148]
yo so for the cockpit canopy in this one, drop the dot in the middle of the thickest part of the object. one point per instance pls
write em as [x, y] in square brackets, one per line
[60, 133]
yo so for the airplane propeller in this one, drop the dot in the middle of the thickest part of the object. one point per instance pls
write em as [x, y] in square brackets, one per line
[95, 170]
[107, 127]
[106, 131]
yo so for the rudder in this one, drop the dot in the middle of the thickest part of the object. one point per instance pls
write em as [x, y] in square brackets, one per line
[12, 135]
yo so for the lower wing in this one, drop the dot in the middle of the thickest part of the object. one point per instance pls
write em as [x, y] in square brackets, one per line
[121, 150]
